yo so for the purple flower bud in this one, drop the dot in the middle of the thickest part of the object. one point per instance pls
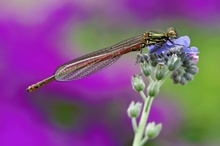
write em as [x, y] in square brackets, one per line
[195, 58]
[192, 69]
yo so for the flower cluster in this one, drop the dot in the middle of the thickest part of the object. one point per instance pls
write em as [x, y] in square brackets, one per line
[175, 55]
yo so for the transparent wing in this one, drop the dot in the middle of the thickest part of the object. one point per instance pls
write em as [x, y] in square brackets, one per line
[73, 69]
[88, 70]
[118, 46]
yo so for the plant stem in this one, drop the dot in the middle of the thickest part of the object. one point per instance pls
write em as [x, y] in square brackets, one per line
[134, 124]
[150, 79]
[143, 96]
[144, 140]
[143, 120]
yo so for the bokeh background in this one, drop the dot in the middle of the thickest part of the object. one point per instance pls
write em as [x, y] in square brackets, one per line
[38, 36]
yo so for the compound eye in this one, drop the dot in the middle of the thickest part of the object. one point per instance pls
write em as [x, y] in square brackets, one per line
[172, 34]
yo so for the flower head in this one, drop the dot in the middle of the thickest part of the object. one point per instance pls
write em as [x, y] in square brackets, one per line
[178, 56]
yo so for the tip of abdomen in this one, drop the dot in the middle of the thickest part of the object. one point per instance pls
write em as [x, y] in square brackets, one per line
[40, 84]
[31, 88]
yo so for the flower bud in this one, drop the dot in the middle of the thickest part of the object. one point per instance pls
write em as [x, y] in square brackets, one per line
[173, 62]
[192, 69]
[152, 130]
[139, 58]
[176, 72]
[142, 58]
[195, 58]
[188, 76]
[137, 83]
[183, 80]
[188, 63]
[161, 71]
[134, 110]
[153, 89]
[178, 78]
[175, 81]
[146, 69]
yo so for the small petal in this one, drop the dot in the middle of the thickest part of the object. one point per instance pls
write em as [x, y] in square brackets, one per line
[151, 47]
[184, 40]
[159, 49]
[194, 49]
[191, 50]
[170, 43]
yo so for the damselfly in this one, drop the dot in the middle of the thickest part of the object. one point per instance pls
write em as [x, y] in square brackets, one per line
[93, 62]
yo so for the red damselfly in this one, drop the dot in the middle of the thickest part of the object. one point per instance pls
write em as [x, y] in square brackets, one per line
[93, 62]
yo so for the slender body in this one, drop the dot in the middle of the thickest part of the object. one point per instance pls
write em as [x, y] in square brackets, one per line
[93, 62]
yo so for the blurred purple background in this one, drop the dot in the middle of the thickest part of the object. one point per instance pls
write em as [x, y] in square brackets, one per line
[38, 36]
